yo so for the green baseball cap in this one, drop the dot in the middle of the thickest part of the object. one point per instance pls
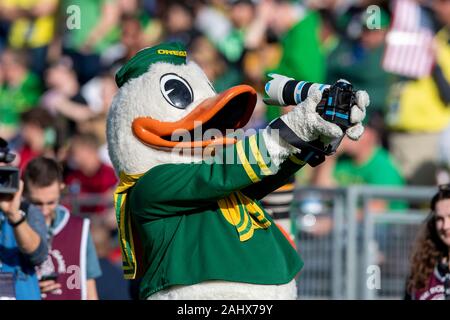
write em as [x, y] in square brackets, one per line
[173, 52]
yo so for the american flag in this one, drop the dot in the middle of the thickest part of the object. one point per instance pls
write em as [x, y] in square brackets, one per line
[409, 42]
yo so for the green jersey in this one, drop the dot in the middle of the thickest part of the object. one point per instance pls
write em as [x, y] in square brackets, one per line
[379, 169]
[16, 100]
[89, 16]
[303, 57]
[202, 221]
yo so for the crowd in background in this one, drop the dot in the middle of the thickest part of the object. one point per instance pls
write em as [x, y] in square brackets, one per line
[57, 83]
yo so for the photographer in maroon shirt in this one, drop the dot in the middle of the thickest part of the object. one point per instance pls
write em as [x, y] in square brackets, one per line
[430, 276]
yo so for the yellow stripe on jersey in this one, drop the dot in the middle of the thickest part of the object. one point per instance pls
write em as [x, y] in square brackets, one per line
[258, 156]
[244, 161]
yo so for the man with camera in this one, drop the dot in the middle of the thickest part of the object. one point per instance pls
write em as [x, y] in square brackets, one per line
[22, 236]
[70, 270]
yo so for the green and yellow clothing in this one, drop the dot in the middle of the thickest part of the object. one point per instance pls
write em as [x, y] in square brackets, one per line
[379, 169]
[203, 221]
[303, 57]
[16, 100]
[416, 105]
[30, 32]
[91, 11]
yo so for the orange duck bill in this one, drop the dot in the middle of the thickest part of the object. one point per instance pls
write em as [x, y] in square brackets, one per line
[230, 109]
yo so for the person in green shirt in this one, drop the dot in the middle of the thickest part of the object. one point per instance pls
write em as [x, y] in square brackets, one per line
[364, 162]
[242, 13]
[20, 91]
[302, 56]
[91, 27]
[298, 29]
[359, 60]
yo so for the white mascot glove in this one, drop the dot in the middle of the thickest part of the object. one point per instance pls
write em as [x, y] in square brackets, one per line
[309, 126]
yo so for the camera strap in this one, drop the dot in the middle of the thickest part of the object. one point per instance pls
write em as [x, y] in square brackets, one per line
[313, 152]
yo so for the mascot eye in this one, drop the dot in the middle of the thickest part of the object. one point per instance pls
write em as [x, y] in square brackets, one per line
[176, 91]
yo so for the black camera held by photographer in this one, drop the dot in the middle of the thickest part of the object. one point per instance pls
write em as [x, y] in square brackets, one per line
[335, 106]
[9, 176]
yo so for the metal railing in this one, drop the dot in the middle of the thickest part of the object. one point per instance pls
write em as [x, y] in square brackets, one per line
[339, 264]
[388, 239]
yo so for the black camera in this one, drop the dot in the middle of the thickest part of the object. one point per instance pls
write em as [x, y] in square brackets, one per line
[9, 176]
[335, 106]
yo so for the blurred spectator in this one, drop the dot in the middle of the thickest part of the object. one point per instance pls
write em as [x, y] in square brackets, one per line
[131, 41]
[62, 276]
[242, 13]
[429, 277]
[137, 30]
[443, 172]
[419, 111]
[22, 247]
[20, 92]
[442, 10]
[97, 31]
[443, 175]
[298, 29]
[299, 32]
[63, 97]
[88, 176]
[179, 23]
[32, 27]
[278, 205]
[207, 15]
[128, 7]
[362, 162]
[350, 57]
[99, 92]
[37, 136]
[110, 285]
[150, 23]
[4, 30]
[214, 65]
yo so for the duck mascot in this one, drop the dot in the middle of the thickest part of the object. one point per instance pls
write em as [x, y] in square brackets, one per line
[190, 223]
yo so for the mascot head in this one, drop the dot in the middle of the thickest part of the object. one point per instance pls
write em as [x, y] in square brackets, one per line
[165, 103]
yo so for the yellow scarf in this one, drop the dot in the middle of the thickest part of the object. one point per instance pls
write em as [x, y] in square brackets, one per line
[129, 261]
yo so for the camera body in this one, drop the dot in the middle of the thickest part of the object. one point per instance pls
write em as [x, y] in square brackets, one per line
[9, 176]
[335, 106]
